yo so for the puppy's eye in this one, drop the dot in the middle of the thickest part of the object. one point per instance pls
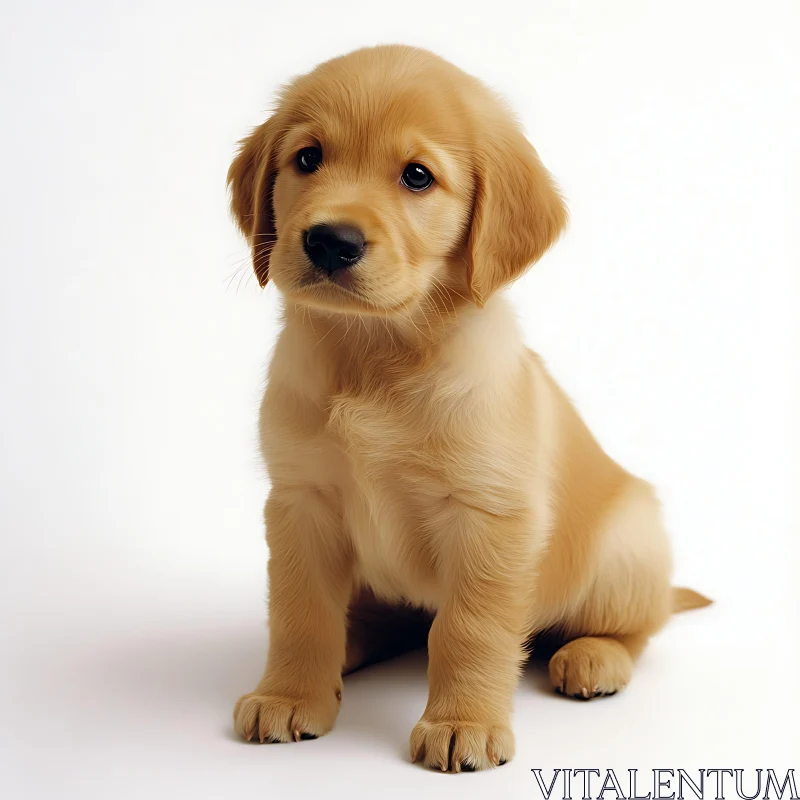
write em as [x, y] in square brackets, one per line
[309, 159]
[416, 177]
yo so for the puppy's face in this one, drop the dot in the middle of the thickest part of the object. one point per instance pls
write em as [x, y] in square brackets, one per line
[370, 196]
[386, 176]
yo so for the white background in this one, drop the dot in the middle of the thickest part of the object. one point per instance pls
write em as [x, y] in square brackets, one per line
[132, 564]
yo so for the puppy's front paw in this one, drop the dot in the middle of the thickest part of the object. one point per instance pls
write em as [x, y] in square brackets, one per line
[453, 746]
[274, 718]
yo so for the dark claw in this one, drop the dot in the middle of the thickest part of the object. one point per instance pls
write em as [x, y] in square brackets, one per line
[467, 767]
[307, 736]
[501, 762]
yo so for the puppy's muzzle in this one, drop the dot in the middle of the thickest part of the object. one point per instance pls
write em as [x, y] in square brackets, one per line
[333, 247]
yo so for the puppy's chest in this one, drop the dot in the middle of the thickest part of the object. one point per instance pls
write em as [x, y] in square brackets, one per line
[380, 428]
[393, 483]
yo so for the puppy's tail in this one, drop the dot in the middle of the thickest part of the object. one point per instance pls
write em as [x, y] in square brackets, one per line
[686, 599]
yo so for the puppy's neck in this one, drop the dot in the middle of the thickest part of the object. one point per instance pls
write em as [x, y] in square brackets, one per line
[365, 353]
[415, 335]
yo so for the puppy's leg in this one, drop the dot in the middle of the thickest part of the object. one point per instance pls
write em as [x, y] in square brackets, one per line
[475, 647]
[377, 631]
[310, 579]
[629, 599]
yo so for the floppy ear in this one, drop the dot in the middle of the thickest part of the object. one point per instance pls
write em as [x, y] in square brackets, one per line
[518, 213]
[251, 178]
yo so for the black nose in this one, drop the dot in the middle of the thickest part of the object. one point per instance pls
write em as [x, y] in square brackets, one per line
[332, 247]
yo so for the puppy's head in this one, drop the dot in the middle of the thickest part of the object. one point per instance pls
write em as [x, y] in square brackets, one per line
[386, 176]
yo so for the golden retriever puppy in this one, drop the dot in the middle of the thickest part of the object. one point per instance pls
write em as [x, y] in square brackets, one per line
[429, 480]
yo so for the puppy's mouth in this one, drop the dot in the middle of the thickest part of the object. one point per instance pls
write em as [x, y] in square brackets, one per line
[341, 279]
[337, 290]
[340, 292]
[344, 279]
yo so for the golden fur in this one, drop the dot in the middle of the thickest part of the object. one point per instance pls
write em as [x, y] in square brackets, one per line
[429, 478]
